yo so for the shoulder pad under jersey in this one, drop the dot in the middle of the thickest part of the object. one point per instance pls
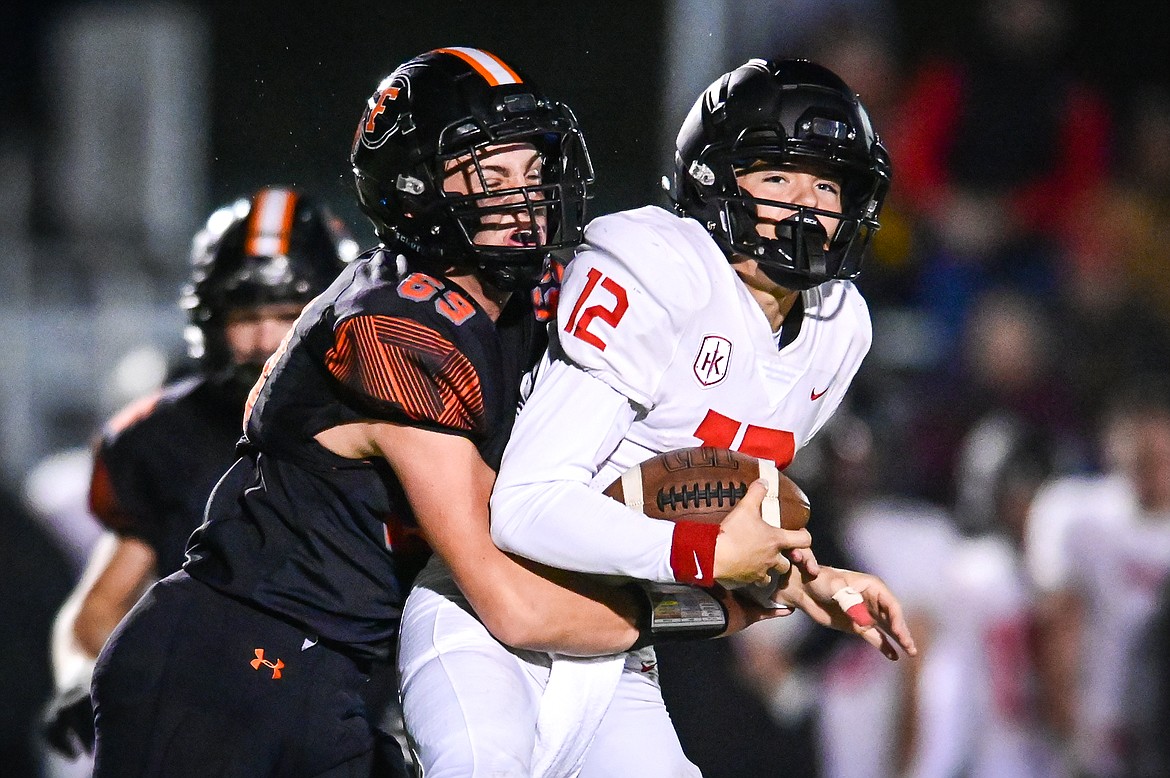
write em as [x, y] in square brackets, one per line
[408, 349]
[629, 293]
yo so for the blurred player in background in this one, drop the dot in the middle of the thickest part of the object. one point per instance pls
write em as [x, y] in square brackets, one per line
[975, 708]
[1099, 553]
[1149, 687]
[254, 266]
[846, 712]
[740, 328]
[375, 430]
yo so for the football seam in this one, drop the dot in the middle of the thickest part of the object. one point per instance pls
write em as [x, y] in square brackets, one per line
[675, 500]
[682, 496]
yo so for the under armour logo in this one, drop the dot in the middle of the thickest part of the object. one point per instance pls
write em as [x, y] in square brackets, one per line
[261, 661]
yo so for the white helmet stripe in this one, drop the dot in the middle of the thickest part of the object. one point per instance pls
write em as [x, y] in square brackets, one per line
[494, 70]
[271, 223]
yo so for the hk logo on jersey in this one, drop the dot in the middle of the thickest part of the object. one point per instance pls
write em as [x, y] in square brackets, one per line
[712, 362]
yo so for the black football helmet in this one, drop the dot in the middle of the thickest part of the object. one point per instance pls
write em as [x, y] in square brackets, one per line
[787, 112]
[275, 246]
[450, 104]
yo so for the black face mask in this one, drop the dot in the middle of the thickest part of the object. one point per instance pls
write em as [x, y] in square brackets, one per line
[511, 278]
[803, 240]
[235, 382]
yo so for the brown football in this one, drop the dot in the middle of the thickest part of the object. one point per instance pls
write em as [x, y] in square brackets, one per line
[702, 484]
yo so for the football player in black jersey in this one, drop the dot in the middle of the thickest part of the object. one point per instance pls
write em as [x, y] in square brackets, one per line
[373, 433]
[255, 265]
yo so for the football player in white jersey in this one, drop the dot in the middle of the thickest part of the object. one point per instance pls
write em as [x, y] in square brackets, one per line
[1099, 554]
[733, 323]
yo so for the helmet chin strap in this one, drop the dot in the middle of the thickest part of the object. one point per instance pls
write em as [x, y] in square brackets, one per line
[236, 380]
[511, 278]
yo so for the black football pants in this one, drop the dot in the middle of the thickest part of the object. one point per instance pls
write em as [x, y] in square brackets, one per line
[194, 683]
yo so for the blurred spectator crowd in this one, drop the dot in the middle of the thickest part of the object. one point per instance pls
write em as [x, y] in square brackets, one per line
[1003, 463]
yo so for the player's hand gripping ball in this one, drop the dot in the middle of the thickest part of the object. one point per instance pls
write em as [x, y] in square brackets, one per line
[702, 484]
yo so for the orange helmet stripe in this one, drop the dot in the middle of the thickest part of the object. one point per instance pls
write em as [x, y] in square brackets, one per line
[270, 225]
[494, 70]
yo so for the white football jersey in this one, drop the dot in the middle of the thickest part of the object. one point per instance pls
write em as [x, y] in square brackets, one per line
[978, 712]
[658, 345]
[1089, 535]
[858, 716]
[1102, 501]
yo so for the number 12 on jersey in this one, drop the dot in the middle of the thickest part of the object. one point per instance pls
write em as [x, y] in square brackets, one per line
[611, 314]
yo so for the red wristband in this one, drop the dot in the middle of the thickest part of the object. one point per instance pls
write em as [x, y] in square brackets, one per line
[692, 552]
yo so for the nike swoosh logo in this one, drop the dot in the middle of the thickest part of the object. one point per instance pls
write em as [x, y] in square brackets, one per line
[814, 395]
[698, 567]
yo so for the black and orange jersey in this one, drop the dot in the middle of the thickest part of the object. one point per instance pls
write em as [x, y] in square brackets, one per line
[330, 543]
[156, 461]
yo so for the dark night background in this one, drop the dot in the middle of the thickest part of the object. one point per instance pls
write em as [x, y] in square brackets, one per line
[289, 78]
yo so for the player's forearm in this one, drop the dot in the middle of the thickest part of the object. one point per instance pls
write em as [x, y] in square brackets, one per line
[518, 606]
[71, 663]
[596, 626]
[533, 607]
[117, 584]
[1059, 628]
[88, 616]
[94, 623]
[543, 506]
[571, 526]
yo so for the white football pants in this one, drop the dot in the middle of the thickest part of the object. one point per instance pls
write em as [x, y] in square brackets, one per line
[472, 706]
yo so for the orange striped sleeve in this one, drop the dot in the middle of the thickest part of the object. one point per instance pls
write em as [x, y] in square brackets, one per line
[410, 366]
[103, 500]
